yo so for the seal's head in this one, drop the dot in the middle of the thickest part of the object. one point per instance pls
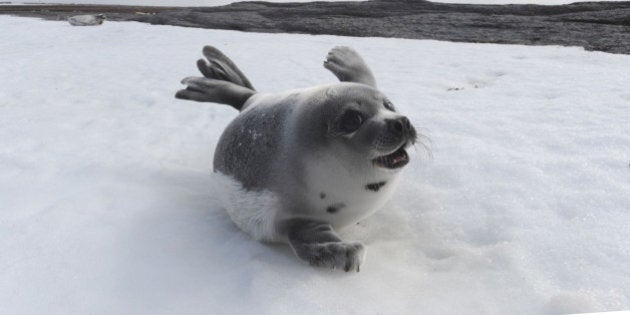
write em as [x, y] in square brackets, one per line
[99, 18]
[364, 128]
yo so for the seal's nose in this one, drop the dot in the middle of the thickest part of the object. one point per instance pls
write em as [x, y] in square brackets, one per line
[398, 126]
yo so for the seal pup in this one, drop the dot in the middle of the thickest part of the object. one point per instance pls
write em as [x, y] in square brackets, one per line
[86, 20]
[294, 167]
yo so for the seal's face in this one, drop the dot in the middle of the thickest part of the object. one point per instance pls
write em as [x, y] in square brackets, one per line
[365, 126]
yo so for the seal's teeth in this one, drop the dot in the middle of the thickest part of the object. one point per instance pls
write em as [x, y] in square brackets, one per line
[396, 159]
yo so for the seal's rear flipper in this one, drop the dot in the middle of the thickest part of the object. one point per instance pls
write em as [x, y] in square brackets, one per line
[223, 83]
[213, 90]
[220, 67]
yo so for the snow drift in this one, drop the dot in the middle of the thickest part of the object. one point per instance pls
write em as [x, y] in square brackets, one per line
[106, 206]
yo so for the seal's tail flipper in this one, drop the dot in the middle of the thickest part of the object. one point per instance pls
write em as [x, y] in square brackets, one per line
[216, 91]
[223, 83]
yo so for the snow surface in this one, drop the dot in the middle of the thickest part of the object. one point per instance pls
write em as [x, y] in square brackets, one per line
[106, 199]
[203, 3]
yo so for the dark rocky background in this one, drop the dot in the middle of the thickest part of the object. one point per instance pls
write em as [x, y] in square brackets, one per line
[603, 26]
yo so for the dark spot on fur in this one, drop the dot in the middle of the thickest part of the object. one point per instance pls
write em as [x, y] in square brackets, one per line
[322, 195]
[334, 208]
[375, 186]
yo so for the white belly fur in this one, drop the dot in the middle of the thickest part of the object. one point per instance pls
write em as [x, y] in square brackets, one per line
[343, 187]
[253, 212]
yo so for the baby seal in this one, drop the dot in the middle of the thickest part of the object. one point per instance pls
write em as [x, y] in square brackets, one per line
[296, 166]
[86, 20]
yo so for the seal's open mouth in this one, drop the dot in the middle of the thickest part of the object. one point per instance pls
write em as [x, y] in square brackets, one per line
[394, 160]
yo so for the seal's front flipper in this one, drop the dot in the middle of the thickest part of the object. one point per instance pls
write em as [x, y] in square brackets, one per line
[348, 66]
[213, 90]
[318, 244]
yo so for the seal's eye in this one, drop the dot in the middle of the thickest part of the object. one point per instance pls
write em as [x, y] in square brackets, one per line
[351, 120]
[389, 105]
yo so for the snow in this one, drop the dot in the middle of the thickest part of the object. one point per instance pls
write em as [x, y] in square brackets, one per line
[107, 203]
[203, 3]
